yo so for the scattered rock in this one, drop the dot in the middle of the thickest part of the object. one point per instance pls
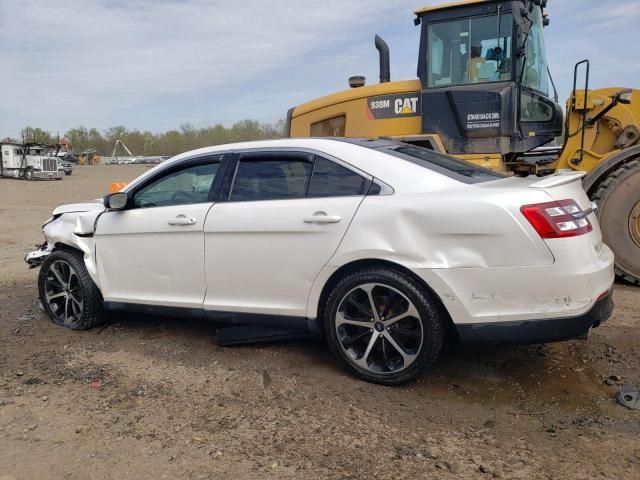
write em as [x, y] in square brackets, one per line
[629, 396]
[19, 373]
[266, 379]
[490, 424]
[452, 467]
[612, 380]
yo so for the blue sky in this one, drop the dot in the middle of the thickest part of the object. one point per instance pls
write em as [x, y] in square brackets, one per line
[156, 64]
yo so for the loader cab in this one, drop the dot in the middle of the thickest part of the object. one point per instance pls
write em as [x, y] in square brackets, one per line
[485, 82]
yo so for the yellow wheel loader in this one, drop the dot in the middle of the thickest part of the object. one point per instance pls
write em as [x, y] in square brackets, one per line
[89, 157]
[484, 93]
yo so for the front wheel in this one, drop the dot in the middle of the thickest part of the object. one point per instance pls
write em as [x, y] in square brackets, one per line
[28, 174]
[383, 326]
[68, 293]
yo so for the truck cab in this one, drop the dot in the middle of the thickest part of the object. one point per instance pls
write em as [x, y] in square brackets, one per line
[29, 161]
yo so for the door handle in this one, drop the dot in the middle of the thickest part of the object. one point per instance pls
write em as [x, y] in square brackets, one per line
[182, 220]
[322, 218]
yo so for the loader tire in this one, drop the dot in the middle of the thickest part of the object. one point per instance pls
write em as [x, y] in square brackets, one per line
[618, 199]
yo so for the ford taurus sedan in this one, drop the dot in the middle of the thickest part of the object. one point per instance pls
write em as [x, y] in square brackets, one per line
[378, 246]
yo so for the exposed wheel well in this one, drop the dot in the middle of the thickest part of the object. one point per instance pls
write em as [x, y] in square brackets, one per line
[450, 330]
[68, 248]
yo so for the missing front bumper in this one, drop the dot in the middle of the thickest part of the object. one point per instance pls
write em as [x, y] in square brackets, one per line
[35, 258]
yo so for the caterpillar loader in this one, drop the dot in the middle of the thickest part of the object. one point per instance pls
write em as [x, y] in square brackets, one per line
[484, 93]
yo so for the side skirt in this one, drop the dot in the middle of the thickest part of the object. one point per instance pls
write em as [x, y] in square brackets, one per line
[242, 327]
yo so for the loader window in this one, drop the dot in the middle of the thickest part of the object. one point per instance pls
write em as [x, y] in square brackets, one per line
[332, 127]
[536, 74]
[473, 50]
[534, 109]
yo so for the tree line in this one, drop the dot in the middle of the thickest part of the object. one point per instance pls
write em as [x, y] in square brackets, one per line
[172, 142]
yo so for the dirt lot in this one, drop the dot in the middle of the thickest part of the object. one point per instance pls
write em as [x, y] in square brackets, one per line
[153, 397]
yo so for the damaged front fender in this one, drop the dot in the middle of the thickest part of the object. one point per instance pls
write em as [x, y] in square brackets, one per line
[71, 226]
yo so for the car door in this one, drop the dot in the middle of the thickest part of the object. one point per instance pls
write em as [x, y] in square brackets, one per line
[153, 251]
[280, 223]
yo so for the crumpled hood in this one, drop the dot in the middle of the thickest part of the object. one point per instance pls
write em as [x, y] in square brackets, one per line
[93, 205]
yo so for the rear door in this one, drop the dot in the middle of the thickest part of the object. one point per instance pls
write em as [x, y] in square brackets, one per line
[153, 252]
[283, 217]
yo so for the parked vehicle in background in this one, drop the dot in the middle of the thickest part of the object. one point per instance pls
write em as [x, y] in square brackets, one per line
[31, 161]
[90, 157]
[147, 160]
[379, 246]
[68, 157]
[66, 167]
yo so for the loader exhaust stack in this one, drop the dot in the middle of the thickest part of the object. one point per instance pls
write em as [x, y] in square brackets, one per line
[383, 49]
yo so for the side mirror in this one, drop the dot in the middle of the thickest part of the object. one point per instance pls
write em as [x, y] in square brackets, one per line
[116, 201]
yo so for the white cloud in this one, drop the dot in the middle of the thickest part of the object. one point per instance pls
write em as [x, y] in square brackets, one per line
[154, 64]
[70, 62]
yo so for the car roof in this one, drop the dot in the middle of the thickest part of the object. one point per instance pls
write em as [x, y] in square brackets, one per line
[361, 153]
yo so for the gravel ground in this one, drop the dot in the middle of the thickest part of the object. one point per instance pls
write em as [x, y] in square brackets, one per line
[149, 397]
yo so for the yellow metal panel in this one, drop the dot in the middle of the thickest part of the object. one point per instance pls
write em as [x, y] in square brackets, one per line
[373, 90]
[353, 104]
[580, 101]
[444, 6]
[486, 160]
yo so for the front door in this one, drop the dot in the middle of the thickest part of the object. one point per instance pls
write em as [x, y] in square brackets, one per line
[283, 219]
[153, 251]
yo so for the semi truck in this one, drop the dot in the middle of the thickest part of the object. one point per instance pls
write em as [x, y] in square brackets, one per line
[30, 161]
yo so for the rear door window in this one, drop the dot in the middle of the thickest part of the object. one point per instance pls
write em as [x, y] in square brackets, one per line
[271, 178]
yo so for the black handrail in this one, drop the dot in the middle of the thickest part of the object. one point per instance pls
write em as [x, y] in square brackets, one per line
[584, 106]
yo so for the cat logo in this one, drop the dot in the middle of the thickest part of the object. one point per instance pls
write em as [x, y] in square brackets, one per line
[393, 106]
[407, 105]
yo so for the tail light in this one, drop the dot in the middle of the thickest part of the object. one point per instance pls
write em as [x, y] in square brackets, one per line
[559, 219]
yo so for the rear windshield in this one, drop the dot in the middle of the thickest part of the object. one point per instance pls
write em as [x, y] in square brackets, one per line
[460, 170]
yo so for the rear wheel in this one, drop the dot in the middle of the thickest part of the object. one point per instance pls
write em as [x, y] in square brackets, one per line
[67, 293]
[383, 326]
[618, 199]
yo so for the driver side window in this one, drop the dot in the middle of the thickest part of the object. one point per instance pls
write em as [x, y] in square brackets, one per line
[182, 187]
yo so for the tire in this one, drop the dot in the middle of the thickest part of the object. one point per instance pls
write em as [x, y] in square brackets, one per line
[618, 199]
[68, 173]
[68, 293]
[372, 350]
[28, 174]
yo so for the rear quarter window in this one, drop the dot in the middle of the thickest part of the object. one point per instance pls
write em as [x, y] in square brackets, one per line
[332, 180]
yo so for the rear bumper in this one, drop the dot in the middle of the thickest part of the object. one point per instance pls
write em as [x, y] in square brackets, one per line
[536, 331]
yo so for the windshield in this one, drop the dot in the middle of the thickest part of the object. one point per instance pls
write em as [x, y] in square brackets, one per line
[535, 74]
[470, 50]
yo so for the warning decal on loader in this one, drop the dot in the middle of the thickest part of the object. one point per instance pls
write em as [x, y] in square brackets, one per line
[394, 106]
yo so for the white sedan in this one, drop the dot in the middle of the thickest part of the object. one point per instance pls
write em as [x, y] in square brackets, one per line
[377, 245]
